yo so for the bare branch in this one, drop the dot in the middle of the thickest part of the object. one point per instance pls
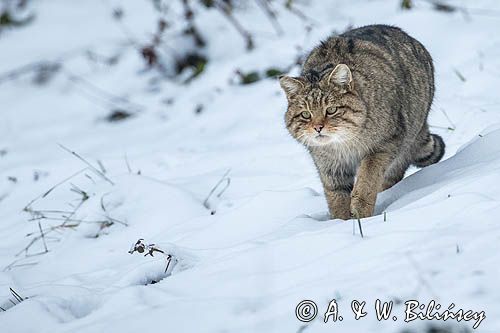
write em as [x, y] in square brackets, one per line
[271, 14]
[227, 12]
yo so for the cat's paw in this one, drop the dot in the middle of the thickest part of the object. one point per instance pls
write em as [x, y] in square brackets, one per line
[343, 215]
[361, 207]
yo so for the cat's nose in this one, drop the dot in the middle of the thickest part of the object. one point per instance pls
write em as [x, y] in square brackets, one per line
[318, 128]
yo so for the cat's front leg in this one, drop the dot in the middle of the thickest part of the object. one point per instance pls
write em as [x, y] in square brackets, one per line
[339, 204]
[338, 187]
[369, 181]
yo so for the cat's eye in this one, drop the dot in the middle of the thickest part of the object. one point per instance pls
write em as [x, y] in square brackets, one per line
[331, 111]
[306, 114]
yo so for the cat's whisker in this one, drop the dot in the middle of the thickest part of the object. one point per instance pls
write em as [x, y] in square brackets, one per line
[302, 138]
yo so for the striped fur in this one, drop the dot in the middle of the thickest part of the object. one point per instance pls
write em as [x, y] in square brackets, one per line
[360, 107]
[430, 153]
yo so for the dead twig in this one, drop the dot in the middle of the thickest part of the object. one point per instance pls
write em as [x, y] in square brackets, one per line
[297, 12]
[192, 29]
[29, 68]
[226, 10]
[150, 249]
[271, 14]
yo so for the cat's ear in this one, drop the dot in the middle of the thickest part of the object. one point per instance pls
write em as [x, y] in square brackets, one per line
[340, 76]
[291, 85]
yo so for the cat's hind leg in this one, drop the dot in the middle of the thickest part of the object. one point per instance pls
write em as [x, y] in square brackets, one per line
[396, 171]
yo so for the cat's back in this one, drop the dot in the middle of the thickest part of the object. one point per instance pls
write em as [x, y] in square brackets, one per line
[382, 35]
[370, 47]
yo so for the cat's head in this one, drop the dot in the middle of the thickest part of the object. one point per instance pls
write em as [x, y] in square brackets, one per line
[323, 110]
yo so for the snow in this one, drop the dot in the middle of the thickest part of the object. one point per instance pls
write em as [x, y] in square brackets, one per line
[269, 244]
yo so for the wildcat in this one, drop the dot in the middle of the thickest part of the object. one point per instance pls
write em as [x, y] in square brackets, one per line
[360, 107]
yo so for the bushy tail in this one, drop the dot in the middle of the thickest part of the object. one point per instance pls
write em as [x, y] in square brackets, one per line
[431, 152]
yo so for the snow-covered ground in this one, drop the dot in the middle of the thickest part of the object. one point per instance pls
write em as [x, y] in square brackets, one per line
[264, 243]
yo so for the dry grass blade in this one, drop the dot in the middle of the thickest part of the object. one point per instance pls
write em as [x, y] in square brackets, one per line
[93, 168]
[360, 229]
[101, 166]
[105, 96]
[68, 218]
[421, 278]
[110, 219]
[16, 295]
[43, 195]
[79, 191]
[15, 300]
[452, 127]
[359, 225]
[459, 75]
[128, 164]
[212, 191]
[113, 220]
[13, 264]
[43, 237]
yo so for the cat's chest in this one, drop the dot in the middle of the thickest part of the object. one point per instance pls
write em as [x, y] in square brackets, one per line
[333, 157]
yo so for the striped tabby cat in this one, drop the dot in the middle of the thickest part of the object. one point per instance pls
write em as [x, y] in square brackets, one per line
[360, 107]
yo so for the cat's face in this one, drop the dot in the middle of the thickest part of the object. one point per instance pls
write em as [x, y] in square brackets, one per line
[323, 113]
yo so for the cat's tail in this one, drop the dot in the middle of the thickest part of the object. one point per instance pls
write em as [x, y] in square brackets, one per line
[431, 152]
